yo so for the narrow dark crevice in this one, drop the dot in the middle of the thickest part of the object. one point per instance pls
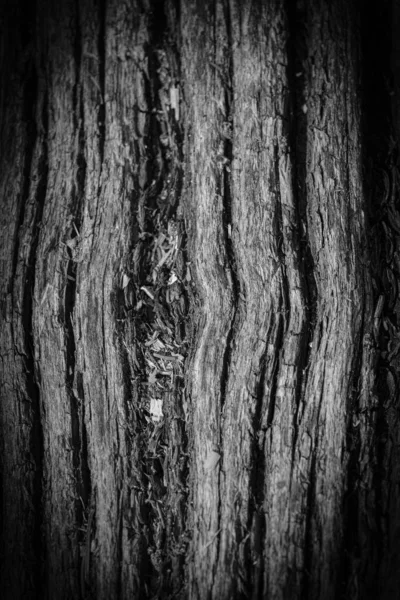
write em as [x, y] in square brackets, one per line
[28, 116]
[73, 379]
[158, 23]
[278, 235]
[177, 530]
[227, 224]
[297, 56]
[261, 424]
[379, 158]
[152, 577]
[143, 319]
[74, 400]
[257, 484]
[274, 382]
[311, 504]
[30, 411]
[101, 49]
[85, 474]
[353, 447]
[308, 538]
[31, 368]
[224, 190]
[36, 438]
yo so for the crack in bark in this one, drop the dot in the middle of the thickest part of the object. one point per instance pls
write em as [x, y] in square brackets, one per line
[32, 368]
[274, 382]
[145, 308]
[308, 537]
[371, 553]
[297, 54]
[353, 447]
[73, 379]
[257, 481]
[101, 113]
[30, 100]
[224, 189]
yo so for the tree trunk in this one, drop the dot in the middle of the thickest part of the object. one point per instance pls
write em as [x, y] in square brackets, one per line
[200, 250]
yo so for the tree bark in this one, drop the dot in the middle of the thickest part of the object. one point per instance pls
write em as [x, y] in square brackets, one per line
[199, 343]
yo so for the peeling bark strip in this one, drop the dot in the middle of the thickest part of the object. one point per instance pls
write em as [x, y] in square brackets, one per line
[199, 339]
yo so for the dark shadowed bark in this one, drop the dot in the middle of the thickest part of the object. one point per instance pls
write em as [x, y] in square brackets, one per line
[200, 335]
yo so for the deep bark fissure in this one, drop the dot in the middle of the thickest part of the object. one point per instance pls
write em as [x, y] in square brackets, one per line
[101, 111]
[224, 189]
[153, 454]
[297, 55]
[353, 447]
[308, 585]
[76, 397]
[74, 382]
[158, 299]
[85, 474]
[279, 237]
[308, 547]
[32, 372]
[279, 337]
[257, 482]
[261, 426]
[158, 24]
[30, 100]
[33, 384]
[380, 160]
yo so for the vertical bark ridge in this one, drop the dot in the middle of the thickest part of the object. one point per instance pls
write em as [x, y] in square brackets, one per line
[271, 309]
[54, 302]
[91, 148]
[336, 223]
[115, 114]
[204, 37]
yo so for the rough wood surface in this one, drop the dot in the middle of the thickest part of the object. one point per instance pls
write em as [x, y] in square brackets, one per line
[199, 336]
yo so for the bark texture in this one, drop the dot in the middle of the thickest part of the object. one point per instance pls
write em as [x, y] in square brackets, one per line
[200, 255]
